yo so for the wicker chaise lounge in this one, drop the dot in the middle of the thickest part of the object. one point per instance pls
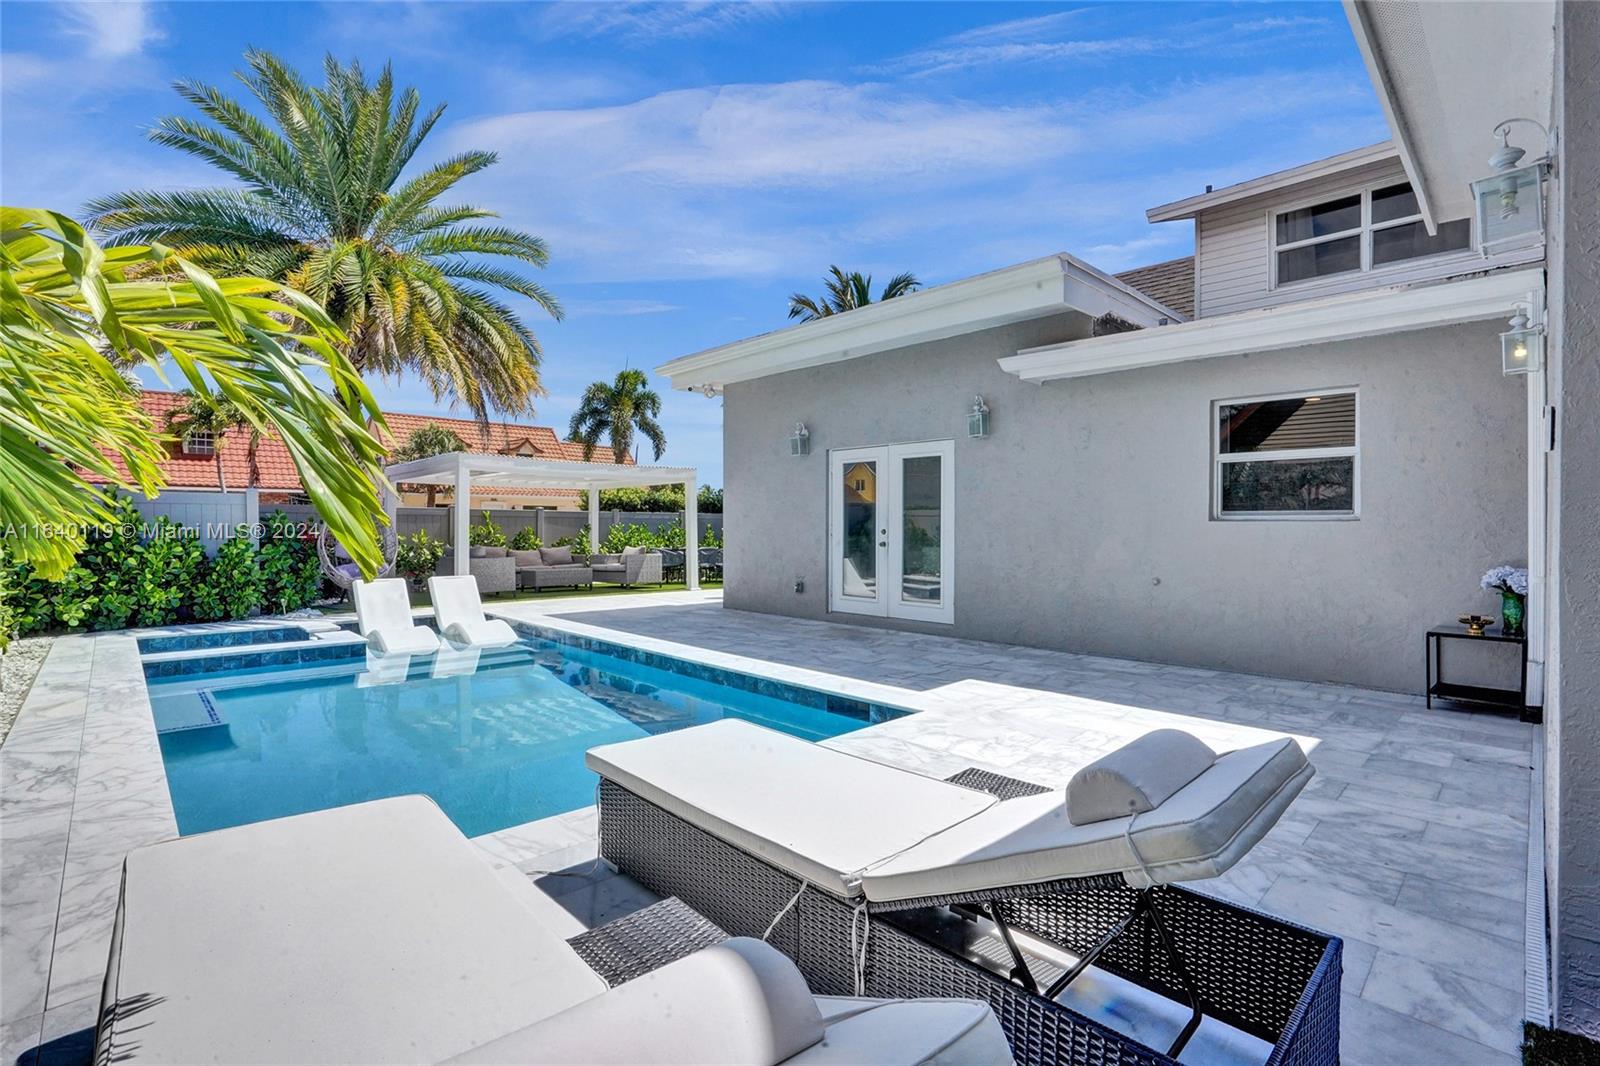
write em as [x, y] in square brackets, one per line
[378, 933]
[848, 864]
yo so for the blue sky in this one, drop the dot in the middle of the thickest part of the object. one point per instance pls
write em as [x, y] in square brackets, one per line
[691, 165]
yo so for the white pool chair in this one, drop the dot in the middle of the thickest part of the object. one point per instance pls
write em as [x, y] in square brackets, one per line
[451, 661]
[458, 610]
[378, 933]
[383, 669]
[383, 614]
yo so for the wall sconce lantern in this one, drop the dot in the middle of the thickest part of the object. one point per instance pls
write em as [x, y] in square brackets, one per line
[1510, 202]
[1522, 346]
[800, 440]
[978, 419]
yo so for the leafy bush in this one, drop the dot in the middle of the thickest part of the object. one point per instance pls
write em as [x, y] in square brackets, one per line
[656, 498]
[29, 599]
[709, 501]
[526, 540]
[111, 558]
[671, 536]
[291, 575]
[578, 543]
[72, 599]
[418, 555]
[9, 623]
[232, 585]
[627, 535]
[171, 564]
[488, 535]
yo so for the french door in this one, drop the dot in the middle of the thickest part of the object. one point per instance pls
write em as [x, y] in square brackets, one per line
[890, 525]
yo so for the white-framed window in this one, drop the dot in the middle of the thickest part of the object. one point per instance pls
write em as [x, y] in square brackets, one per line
[1293, 455]
[199, 442]
[1370, 229]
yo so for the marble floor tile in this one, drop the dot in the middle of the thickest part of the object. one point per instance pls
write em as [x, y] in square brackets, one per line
[1374, 1035]
[1478, 1010]
[1465, 904]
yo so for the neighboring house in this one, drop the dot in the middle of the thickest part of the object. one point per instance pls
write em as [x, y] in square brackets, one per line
[190, 463]
[1304, 456]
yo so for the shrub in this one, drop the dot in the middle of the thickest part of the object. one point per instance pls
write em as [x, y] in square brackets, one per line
[8, 613]
[232, 584]
[579, 543]
[171, 563]
[418, 555]
[72, 599]
[488, 535]
[29, 599]
[112, 558]
[627, 535]
[670, 536]
[527, 539]
[291, 575]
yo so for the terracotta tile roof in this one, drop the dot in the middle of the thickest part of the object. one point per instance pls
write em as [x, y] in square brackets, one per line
[277, 470]
[1171, 282]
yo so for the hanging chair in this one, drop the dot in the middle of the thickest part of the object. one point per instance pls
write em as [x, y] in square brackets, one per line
[343, 574]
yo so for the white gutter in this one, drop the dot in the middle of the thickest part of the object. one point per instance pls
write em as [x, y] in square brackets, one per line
[1041, 287]
[1334, 318]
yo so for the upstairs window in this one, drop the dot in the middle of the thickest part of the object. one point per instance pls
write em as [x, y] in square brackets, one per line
[1286, 456]
[199, 442]
[1360, 231]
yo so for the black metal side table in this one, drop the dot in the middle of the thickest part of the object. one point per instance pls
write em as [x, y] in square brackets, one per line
[1515, 699]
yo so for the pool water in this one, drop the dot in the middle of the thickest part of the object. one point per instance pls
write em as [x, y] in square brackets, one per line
[497, 738]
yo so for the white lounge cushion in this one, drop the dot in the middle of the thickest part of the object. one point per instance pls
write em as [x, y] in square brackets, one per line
[1200, 831]
[820, 814]
[458, 610]
[934, 1032]
[383, 614]
[369, 933]
[1137, 777]
[741, 1002]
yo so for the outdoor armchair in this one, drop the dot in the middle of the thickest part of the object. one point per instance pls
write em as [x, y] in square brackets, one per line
[632, 566]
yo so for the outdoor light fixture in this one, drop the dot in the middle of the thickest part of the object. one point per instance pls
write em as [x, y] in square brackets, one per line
[800, 440]
[1510, 202]
[978, 419]
[1522, 346]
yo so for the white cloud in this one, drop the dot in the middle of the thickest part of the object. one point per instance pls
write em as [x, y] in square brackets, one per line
[1167, 243]
[1016, 29]
[624, 308]
[112, 29]
[655, 21]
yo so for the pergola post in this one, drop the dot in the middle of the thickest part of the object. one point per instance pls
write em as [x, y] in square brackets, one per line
[691, 535]
[594, 519]
[463, 515]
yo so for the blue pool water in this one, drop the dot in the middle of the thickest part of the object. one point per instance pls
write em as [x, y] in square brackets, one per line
[496, 739]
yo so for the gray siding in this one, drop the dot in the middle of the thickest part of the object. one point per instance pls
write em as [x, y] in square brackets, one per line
[1083, 522]
[1233, 259]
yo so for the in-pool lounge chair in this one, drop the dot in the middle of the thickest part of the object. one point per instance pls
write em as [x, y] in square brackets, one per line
[383, 615]
[458, 611]
[377, 933]
[754, 828]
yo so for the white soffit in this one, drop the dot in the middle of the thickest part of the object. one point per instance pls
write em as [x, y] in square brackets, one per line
[1445, 74]
[1035, 289]
[1334, 318]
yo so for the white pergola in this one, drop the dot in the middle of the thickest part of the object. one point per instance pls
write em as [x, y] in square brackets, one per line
[460, 470]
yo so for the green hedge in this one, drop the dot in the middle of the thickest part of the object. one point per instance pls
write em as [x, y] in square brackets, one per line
[130, 574]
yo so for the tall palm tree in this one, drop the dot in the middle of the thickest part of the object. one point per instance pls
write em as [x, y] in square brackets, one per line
[213, 413]
[846, 292]
[616, 411]
[428, 439]
[323, 209]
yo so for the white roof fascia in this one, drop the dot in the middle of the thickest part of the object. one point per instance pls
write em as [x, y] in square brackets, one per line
[1335, 318]
[1035, 289]
[525, 472]
[1282, 179]
[1398, 130]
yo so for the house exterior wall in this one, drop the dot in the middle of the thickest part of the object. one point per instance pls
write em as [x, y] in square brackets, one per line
[1083, 521]
[1233, 258]
[1572, 764]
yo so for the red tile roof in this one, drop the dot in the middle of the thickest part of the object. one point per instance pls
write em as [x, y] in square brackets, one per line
[277, 470]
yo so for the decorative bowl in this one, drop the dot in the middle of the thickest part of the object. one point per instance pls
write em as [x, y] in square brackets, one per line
[1476, 623]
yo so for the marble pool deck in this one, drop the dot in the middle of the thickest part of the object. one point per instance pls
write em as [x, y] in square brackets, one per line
[1411, 843]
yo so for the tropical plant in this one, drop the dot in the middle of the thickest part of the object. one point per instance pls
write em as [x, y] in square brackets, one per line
[845, 292]
[111, 558]
[424, 442]
[291, 574]
[487, 534]
[418, 555]
[526, 540]
[578, 542]
[203, 411]
[232, 585]
[73, 316]
[172, 563]
[323, 209]
[616, 411]
[627, 535]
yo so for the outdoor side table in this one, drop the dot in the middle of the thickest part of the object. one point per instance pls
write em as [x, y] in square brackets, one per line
[1484, 696]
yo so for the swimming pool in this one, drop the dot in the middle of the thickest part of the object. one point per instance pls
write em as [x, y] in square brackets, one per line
[496, 738]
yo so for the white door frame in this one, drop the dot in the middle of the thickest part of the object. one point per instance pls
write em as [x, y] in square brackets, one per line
[888, 599]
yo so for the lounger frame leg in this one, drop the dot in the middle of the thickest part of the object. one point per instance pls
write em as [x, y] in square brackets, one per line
[1020, 972]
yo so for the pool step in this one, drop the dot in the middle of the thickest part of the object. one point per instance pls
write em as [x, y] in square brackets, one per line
[333, 644]
[190, 710]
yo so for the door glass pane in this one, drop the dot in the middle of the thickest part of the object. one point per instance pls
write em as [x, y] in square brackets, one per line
[860, 562]
[1276, 486]
[1319, 260]
[920, 522]
[1335, 216]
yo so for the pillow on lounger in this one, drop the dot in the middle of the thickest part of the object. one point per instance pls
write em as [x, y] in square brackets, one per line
[1139, 776]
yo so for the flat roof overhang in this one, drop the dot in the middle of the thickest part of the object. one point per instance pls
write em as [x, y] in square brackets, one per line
[524, 472]
[1036, 289]
[1348, 316]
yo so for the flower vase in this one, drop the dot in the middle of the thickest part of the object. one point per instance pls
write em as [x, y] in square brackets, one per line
[1511, 612]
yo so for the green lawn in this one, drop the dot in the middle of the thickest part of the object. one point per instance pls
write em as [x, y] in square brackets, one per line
[420, 599]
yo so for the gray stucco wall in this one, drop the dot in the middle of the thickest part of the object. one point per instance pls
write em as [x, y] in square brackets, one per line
[1573, 749]
[1083, 521]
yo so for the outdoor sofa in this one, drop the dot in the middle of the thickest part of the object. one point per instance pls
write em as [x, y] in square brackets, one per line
[543, 568]
[492, 567]
[633, 566]
[378, 933]
[878, 881]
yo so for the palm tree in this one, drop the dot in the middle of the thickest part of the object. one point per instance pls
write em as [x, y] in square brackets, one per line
[617, 410]
[323, 209]
[846, 292]
[427, 440]
[207, 412]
